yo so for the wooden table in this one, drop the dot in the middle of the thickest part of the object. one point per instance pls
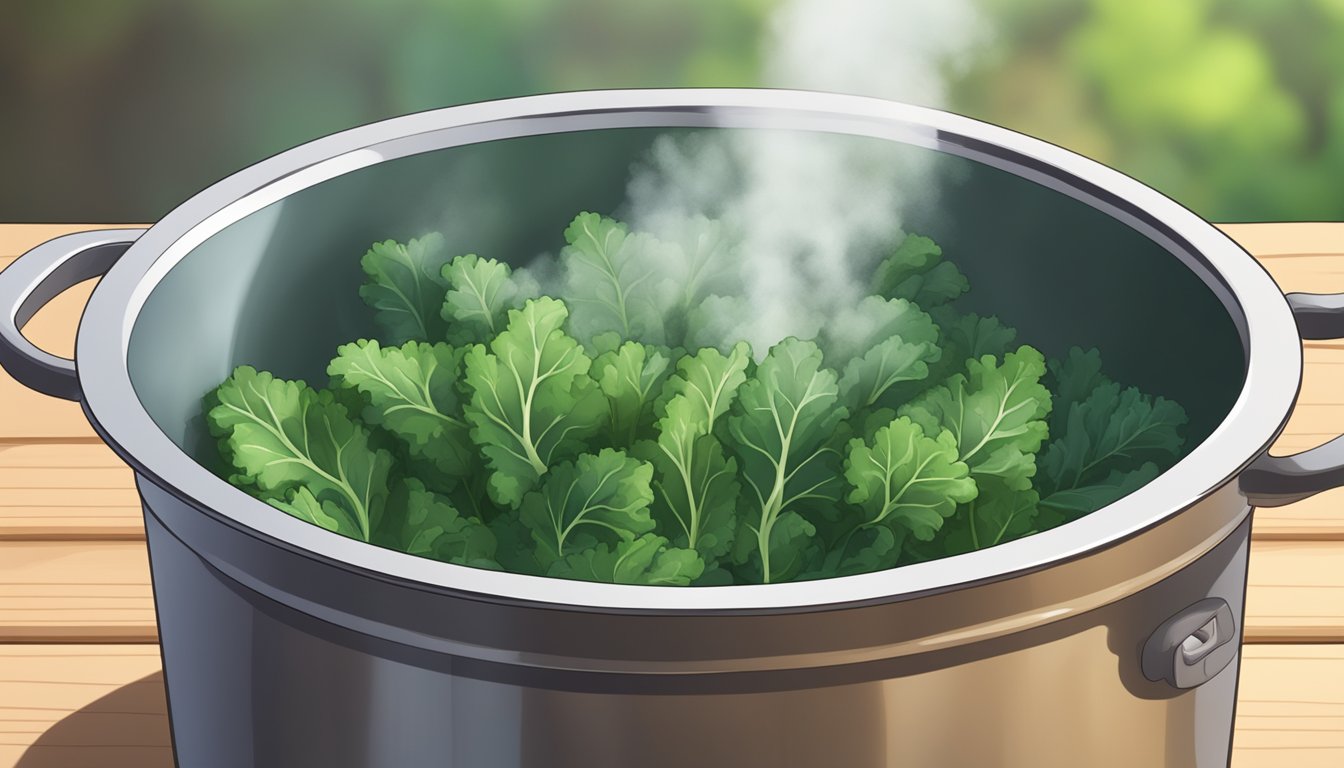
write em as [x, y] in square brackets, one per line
[79, 669]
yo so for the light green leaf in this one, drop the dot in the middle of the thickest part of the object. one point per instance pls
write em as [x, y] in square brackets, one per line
[996, 413]
[411, 391]
[631, 377]
[405, 287]
[480, 294]
[696, 491]
[702, 263]
[614, 280]
[283, 435]
[708, 380]
[301, 503]
[905, 479]
[916, 271]
[998, 514]
[881, 342]
[789, 548]
[645, 560]
[605, 496]
[531, 400]
[781, 425]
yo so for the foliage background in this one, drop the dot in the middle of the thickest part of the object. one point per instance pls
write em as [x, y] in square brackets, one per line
[118, 110]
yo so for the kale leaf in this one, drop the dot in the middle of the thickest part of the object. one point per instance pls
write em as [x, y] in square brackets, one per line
[299, 446]
[782, 426]
[602, 497]
[619, 430]
[405, 287]
[532, 401]
[995, 412]
[916, 271]
[614, 280]
[480, 294]
[412, 392]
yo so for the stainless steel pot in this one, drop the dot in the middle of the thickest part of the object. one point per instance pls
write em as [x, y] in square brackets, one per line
[1110, 641]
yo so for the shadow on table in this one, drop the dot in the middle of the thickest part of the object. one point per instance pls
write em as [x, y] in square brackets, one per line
[127, 727]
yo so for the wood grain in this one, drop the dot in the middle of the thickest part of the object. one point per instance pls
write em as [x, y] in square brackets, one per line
[15, 239]
[1295, 592]
[67, 491]
[61, 591]
[82, 706]
[1296, 238]
[1290, 707]
[70, 706]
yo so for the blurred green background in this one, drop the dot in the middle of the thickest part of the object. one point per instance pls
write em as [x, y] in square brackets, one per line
[116, 110]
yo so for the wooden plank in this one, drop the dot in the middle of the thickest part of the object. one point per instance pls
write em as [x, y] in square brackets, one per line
[60, 491]
[96, 592]
[1305, 257]
[1295, 592]
[1290, 707]
[83, 706]
[15, 239]
[100, 592]
[77, 705]
[1275, 239]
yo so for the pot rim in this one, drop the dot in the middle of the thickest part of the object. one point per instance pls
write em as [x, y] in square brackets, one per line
[1254, 302]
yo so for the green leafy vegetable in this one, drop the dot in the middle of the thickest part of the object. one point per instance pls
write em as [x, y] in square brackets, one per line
[905, 478]
[916, 271]
[886, 341]
[998, 514]
[696, 489]
[532, 401]
[971, 336]
[706, 263]
[411, 391]
[614, 279]
[619, 430]
[1070, 503]
[861, 550]
[784, 419]
[645, 560]
[423, 523]
[996, 413]
[284, 436]
[601, 497]
[1072, 380]
[1112, 430]
[301, 503]
[480, 294]
[631, 377]
[405, 287]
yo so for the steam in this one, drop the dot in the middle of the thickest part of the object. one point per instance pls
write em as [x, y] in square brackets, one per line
[808, 212]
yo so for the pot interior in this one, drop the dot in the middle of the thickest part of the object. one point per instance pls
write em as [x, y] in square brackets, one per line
[278, 289]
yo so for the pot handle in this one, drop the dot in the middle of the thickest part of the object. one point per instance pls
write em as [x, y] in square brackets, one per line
[36, 278]
[1273, 481]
